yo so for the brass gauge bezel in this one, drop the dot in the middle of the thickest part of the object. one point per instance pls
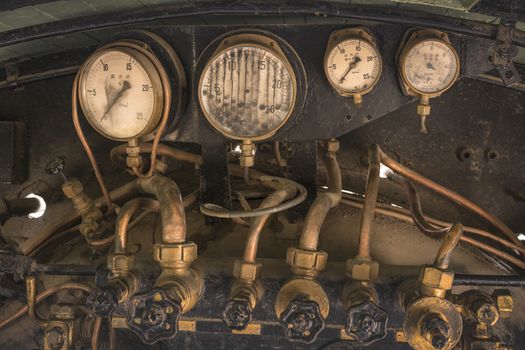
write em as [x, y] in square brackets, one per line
[414, 38]
[151, 71]
[356, 33]
[256, 41]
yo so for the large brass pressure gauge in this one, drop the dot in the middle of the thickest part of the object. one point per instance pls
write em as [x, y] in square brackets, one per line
[352, 62]
[428, 66]
[247, 90]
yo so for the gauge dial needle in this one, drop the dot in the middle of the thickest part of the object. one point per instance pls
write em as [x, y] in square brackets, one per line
[113, 97]
[430, 66]
[351, 66]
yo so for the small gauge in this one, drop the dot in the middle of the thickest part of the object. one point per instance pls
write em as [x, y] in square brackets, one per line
[352, 62]
[121, 93]
[247, 90]
[428, 66]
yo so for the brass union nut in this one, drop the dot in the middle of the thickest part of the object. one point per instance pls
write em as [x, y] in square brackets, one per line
[504, 302]
[362, 270]
[435, 278]
[306, 259]
[423, 109]
[184, 253]
[332, 145]
[120, 262]
[72, 188]
[246, 271]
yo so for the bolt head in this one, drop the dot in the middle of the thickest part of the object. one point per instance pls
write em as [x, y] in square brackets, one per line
[302, 321]
[362, 270]
[237, 314]
[504, 302]
[72, 188]
[423, 109]
[120, 262]
[366, 322]
[246, 271]
[307, 260]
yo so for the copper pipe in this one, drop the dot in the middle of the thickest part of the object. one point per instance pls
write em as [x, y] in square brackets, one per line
[445, 192]
[171, 207]
[124, 216]
[31, 297]
[43, 295]
[29, 246]
[117, 153]
[281, 162]
[96, 333]
[369, 205]
[275, 198]
[324, 202]
[449, 243]
[408, 219]
[85, 144]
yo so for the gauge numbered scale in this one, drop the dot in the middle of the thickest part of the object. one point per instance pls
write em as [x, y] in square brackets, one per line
[352, 63]
[247, 90]
[428, 66]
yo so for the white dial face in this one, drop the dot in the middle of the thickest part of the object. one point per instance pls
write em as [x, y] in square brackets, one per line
[246, 91]
[431, 66]
[353, 66]
[118, 93]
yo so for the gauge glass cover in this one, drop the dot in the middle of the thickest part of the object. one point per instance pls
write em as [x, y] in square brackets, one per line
[431, 66]
[353, 66]
[120, 93]
[247, 92]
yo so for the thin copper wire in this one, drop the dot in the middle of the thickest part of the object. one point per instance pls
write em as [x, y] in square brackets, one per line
[85, 144]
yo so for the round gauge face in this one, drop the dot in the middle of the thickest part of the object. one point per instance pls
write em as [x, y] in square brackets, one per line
[247, 92]
[353, 66]
[431, 66]
[121, 93]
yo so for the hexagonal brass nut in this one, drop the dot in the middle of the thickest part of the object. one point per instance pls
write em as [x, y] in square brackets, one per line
[72, 188]
[362, 270]
[435, 278]
[246, 271]
[62, 311]
[504, 302]
[423, 109]
[306, 259]
[120, 262]
[185, 253]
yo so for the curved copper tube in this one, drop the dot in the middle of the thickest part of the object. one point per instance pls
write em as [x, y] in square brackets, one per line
[369, 205]
[323, 203]
[96, 333]
[396, 214]
[445, 192]
[275, 198]
[117, 153]
[85, 144]
[171, 207]
[448, 244]
[43, 295]
[124, 216]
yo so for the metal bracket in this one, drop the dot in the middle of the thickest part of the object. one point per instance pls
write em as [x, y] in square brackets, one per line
[503, 52]
[12, 74]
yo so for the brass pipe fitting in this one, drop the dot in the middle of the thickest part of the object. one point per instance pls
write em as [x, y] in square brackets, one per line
[478, 306]
[247, 159]
[85, 207]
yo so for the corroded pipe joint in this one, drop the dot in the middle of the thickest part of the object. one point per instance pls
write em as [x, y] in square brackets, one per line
[84, 205]
[181, 286]
[124, 281]
[479, 306]
[133, 159]
[306, 263]
[362, 269]
[435, 282]
[178, 256]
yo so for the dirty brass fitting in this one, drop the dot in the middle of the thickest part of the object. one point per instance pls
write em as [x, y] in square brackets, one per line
[62, 329]
[302, 307]
[479, 306]
[238, 311]
[133, 158]
[124, 281]
[504, 302]
[247, 159]
[434, 281]
[366, 322]
[306, 263]
[85, 207]
[362, 269]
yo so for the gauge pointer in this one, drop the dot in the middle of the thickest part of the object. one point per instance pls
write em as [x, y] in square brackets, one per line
[112, 98]
[351, 66]
[430, 66]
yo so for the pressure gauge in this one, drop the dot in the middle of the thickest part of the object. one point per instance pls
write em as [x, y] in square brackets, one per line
[428, 66]
[121, 93]
[352, 62]
[247, 90]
